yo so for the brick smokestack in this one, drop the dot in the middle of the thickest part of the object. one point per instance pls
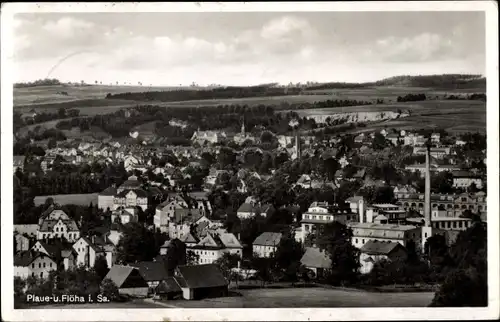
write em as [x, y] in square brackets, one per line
[427, 196]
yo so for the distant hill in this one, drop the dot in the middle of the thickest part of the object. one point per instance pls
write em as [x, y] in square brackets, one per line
[438, 82]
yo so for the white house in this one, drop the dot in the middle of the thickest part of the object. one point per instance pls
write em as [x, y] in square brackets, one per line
[88, 249]
[266, 244]
[130, 199]
[57, 224]
[32, 263]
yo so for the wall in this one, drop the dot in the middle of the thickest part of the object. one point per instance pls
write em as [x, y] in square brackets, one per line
[37, 266]
[264, 251]
[105, 202]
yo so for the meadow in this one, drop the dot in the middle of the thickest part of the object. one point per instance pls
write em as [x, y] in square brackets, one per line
[456, 115]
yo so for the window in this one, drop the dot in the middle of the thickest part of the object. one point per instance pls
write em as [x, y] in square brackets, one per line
[44, 265]
[33, 274]
[39, 265]
[356, 240]
[50, 264]
[459, 224]
[33, 265]
[41, 274]
[425, 235]
[363, 241]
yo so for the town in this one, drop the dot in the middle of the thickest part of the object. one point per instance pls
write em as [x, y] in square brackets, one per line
[178, 205]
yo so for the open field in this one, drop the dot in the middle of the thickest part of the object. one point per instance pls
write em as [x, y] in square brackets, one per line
[311, 297]
[278, 298]
[52, 94]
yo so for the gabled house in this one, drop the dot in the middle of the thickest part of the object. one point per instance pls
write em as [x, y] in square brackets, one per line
[152, 272]
[374, 251]
[62, 253]
[266, 244]
[316, 260]
[214, 245]
[247, 210]
[129, 280]
[32, 263]
[200, 281]
[89, 248]
[19, 161]
[55, 223]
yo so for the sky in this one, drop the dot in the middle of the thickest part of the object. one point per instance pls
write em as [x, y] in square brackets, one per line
[246, 48]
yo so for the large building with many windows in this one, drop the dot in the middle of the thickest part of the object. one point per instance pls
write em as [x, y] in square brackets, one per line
[456, 204]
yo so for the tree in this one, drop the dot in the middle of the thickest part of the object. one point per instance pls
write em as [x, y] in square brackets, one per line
[226, 264]
[139, 243]
[378, 142]
[335, 239]
[192, 258]
[52, 143]
[287, 257]
[266, 137]
[226, 158]
[109, 289]
[101, 266]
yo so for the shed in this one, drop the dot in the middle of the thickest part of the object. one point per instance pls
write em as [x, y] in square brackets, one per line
[201, 281]
[128, 280]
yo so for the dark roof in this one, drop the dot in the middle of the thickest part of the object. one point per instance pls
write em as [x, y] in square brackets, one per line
[152, 271]
[200, 276]
[27, 257]
[374, 247]
[139, 192]
[246, 207]
[119, 273]
[110, 191]
[268, 239]
[314, 257]
[169, 285]
[187, 215]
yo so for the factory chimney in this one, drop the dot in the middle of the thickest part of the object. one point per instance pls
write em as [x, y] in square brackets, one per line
[427, 195]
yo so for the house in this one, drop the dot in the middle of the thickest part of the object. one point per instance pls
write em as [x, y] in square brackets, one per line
[201, 281]
[364, 232]
[374, 251]
[322, 213]
[214, 245]
[55, 223]
[456, 203]
[152, 272]
[438, 153]
[168, 289]
[22, 243]
[89, 248]
[266, 244]
[19, 161]
[247, 210]
[105, 199]
[463, 179]
[316, 260]
[435, 137]
[124, 216]
[115, 233]
[62, 253]
[201, 137]
[32, 263]
[128, 280]
[130, 198]
[393, 137]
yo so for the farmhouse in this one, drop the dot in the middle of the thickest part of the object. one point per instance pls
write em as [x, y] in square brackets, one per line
[201, 281]
[152, 272]
[316, 260]
[128, 280]
[374, 251]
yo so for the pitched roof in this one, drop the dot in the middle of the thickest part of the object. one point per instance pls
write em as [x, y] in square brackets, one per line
[189, 238]
[200, 276]
[268, 239]
[152, 271]
[139, 192]
[374, 247]
[27, 257]
[110, 191]
[314, 257]
[119, 273]
[169, 285]
[246, 207]
[230, 241]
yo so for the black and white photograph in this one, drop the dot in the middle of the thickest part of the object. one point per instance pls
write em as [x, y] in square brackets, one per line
[276, 159]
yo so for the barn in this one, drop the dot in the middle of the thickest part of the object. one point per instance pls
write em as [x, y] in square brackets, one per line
[201, 281]
[128, 280]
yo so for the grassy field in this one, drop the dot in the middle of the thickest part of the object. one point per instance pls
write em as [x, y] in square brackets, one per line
[310, 297]
[279, 298]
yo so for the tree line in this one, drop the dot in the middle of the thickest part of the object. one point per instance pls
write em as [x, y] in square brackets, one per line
[202, 94]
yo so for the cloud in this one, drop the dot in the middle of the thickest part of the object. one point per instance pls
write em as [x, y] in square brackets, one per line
[68, 27]
[422, 47]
